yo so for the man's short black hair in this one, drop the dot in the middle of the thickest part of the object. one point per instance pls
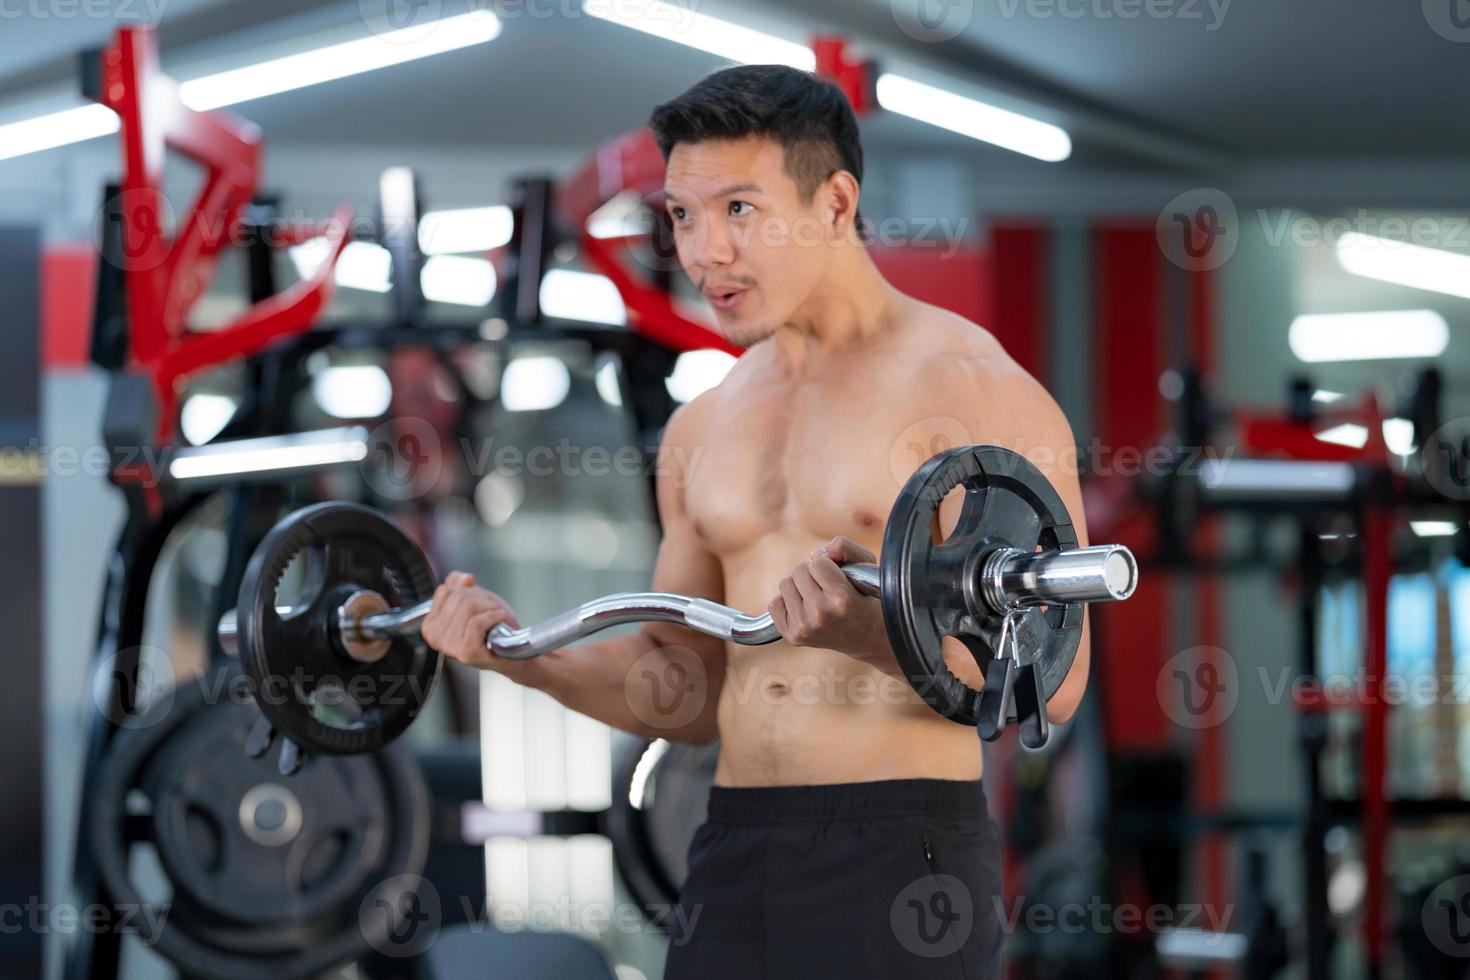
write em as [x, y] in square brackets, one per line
[808, 116]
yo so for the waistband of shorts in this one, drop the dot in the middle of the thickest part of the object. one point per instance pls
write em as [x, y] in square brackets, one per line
[935, 798]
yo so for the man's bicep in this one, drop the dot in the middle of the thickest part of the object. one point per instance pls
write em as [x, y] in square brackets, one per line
[684, 563]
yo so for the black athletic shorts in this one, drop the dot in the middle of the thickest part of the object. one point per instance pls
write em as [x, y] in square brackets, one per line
[897, 879]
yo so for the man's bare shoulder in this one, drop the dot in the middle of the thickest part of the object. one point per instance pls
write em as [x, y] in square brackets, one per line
[962, 387]
[959, 359]
[692, 421]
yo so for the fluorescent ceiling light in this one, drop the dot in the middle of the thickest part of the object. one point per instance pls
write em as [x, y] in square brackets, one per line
[1324, 397]
[972, 118]
[497, 497]
[643, 771]
[363, 265]
[56, 129]
[534, 384]
[957, 113]
[458, 279]
[678, 23]
[1346, 434]
[1403, 264]
[1433, 529]
[1398, 435]
[618, 217]
[353, 391]
[697, 371]
[1317, 337]
[1193, 948]
[339, 61]
[267, 78]
[1279, 476]
[585, 296]
[308, 450]
[203, 417]
[609, 385]
[465, 230]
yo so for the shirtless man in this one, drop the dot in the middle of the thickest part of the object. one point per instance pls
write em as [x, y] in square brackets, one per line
[847, 833]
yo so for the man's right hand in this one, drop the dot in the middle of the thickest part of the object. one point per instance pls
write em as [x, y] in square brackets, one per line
[460, 618]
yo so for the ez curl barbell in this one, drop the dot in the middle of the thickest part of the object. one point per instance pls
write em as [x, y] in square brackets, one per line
[1010, 583]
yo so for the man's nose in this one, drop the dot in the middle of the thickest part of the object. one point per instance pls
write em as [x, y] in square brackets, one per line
[714, 247]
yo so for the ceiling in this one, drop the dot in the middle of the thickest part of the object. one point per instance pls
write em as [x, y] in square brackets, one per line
[1255, 76]
[1240, 77]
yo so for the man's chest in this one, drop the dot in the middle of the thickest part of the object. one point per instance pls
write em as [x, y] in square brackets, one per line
[812, 467]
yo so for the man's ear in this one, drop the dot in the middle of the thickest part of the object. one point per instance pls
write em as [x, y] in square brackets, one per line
[842, 197]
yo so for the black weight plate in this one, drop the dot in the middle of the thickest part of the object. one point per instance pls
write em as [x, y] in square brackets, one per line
[191, 931]
[660, 796]
[253, 848]
[308, 687]
[931, 590]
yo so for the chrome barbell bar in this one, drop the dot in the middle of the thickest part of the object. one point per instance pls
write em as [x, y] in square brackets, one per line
[1009, 580]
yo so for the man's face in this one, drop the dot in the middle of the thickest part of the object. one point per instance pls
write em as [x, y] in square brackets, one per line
[743, 234]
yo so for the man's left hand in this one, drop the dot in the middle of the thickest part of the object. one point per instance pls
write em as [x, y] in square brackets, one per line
[816, 606]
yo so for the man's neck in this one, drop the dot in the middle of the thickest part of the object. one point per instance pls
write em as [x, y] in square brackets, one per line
[853, 306]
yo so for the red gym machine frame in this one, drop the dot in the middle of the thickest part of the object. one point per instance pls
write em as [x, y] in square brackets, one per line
[166, 276]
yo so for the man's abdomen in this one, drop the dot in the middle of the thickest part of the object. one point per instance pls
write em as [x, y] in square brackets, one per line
[793, 717]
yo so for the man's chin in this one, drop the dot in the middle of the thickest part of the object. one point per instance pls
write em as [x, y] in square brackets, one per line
[747, 337]
[743, 332]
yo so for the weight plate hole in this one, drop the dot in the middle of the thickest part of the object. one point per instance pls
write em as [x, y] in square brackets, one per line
[333, 705]
[300, 580]
[137, 804]
[204, 837]
[325, 855]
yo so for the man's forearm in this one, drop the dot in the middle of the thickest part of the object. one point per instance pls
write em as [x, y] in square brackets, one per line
[633, 683]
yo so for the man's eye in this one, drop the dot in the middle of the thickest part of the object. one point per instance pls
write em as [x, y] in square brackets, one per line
[739, 209]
